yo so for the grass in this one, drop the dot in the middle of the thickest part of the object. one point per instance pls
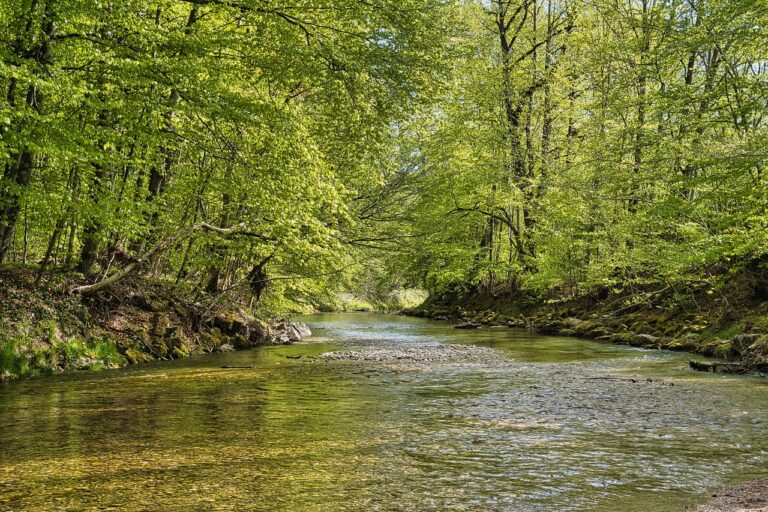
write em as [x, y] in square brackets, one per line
[723, 332]
[23, 358]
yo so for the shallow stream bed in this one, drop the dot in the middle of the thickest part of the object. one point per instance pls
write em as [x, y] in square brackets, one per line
[368, 415]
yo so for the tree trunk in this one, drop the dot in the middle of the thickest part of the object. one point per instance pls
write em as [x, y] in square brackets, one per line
[89, 253]
[642, 91]
[158, 177]
[53, 241]
[159, 249]
[509, 26]
[19, 172]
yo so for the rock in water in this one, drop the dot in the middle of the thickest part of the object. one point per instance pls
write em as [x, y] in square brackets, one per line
[643, 340]
[303, 330]
[289, 332]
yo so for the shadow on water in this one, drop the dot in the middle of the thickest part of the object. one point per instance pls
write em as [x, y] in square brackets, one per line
[540, 424]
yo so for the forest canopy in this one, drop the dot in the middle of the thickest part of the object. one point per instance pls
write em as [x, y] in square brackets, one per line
[320, 146]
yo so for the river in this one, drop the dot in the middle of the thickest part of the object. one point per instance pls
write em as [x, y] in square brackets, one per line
[529, 423]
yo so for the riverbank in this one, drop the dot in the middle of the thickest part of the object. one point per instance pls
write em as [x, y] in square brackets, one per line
[45, 329]
[747, 497]
[729, 324]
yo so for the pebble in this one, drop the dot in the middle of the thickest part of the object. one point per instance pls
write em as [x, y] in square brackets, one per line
[423, 353]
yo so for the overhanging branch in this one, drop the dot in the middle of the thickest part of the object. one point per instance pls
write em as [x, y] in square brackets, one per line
[163, 246]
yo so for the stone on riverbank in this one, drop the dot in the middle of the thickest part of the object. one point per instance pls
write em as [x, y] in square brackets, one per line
[643, 340]
[749, 350]
[244, 331]
[742, 342]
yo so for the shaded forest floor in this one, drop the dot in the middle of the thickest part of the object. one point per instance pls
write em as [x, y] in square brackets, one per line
[728, 321]
[46, 329]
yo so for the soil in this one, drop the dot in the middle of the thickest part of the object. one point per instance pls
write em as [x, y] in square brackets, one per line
[746, 497]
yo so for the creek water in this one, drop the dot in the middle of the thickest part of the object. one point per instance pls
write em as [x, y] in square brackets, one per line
[533, 423]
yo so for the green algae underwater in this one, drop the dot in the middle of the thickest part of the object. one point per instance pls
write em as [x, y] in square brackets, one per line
[536, 423]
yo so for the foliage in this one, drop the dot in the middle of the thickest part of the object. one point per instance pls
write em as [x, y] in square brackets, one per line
[594, 144]
[365, 147]
[125, 122]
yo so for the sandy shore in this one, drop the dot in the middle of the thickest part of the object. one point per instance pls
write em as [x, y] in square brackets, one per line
[746, 497]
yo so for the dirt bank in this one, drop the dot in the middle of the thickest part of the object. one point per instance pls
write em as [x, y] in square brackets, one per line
[747, 497]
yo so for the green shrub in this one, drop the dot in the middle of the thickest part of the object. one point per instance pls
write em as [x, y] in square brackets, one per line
[16, 362]
[21, 358]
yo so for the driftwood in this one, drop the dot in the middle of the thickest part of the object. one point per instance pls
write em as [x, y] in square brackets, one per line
[163, 246]
[718, 367]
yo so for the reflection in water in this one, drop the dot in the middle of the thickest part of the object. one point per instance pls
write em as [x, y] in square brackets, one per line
[545, 424]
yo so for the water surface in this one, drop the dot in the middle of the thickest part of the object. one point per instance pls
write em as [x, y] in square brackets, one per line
[545, 424]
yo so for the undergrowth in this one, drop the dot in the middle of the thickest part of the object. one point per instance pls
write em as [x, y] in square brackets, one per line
[23, 358]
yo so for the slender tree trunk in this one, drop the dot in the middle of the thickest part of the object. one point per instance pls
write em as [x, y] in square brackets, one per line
[642, 92]
[529, 147]
[53, 242]
[159, 176]
[215, 270]
[25, 245]
[70, 256]
[61, 223]
[19, 172]
[89, 252]
[637, 153]
[548, 118]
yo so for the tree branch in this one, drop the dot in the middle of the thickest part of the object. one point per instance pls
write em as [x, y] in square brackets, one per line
[163, 246]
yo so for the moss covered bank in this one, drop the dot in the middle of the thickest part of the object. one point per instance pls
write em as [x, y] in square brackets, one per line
[729, 324]
[46, 329]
